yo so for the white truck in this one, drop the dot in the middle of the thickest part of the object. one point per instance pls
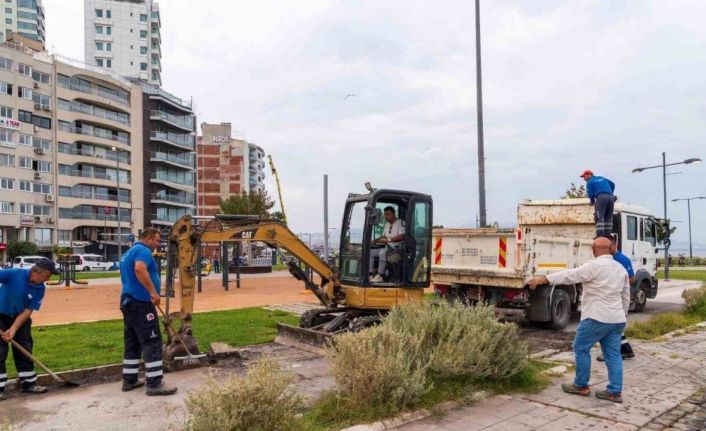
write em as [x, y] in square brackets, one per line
[494, 265]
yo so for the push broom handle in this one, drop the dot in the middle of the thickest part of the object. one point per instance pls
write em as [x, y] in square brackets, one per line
[169, 323]
[35, 360]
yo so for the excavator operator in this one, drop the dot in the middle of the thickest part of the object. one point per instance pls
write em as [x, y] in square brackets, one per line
[392, 237]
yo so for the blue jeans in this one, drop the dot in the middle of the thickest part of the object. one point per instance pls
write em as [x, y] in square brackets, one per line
[589, 333]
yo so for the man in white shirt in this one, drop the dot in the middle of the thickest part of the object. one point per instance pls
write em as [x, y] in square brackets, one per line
[392, 236]
[604, 306]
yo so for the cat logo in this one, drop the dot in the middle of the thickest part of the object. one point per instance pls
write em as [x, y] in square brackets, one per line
[247, 235]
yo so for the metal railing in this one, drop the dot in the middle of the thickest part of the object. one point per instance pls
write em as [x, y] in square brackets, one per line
[97, 216]
[98, 133]
[89, 195]
[182, 140]
[95, 175]
[95, 111]
[181, 199]
[178, 179]
[186, 160]
[151, 89]
[186, 121]
[109, 155]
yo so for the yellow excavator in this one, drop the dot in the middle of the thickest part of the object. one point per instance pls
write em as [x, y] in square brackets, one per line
[349, 299]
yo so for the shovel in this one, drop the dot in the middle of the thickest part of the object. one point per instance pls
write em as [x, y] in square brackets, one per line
[191, 359]
[24, 351]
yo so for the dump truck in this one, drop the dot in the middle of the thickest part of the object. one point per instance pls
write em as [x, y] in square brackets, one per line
[493, 265]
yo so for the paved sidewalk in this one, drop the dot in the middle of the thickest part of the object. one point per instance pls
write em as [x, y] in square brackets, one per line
[656, 384]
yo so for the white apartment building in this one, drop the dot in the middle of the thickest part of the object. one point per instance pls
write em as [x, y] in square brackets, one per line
[25, 17]
[124, 36]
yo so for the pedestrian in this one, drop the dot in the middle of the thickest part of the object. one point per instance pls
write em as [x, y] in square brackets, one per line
[604, 306]
[140, 277]
[21, 293]
[600, 190]
[626, 351]
[216, 265]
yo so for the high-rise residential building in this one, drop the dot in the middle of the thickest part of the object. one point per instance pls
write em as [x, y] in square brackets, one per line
[70, 153]
[124, 36]
[226, 166]
[169, 145]
[24, 17]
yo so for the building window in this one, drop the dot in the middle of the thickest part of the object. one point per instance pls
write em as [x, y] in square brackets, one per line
[40, 77]
[25, 162]
[99, 13]
[41, 99]
[143, 17]
[108, 46]
[5, 63]
[25, 139]
[7, 160]
[42, 210]
[24, 69]
[99, 62]
[25, 93]
[143, 34]
[44, 144]
[43, 122]
[99, 46]
[26, 25]
[8, 10]
[108, 63]
[42, 236]
[99, 29]
[108, 14]
[7, 208]
[143, 50]
[7, 138]
[5, 111]
[42, 166]
[41, 188]
[26, 209]
[109, 30]
[64, 236]
[25, 116]
[25, 186]
[8, 20]
[26, 15]
[7, 183]
[143, 66]
[5, 88]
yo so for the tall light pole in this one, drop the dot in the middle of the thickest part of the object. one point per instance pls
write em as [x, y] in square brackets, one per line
[664, 187]
[688, 207]
[117, 177]
[479, 109]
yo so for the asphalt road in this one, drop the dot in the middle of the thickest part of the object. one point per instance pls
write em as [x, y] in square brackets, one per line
[668, 299]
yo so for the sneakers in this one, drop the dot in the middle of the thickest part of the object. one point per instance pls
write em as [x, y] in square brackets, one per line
[630, 355]
[34, 389]
[376, 279]
[614, 398]
[571, 388]
[162, 389]
[127, 386]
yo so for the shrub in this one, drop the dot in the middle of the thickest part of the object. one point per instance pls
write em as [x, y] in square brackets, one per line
[21, 248]
[265, 399]
[6, 426]
[461, 341]
[695, 300]
[379, 367]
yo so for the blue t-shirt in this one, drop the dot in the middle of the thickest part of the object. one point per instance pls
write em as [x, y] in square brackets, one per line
[131, 285]
[597, 185]
[16, 294]
[625, 261]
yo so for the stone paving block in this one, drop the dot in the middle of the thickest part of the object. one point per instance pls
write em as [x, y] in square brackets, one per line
[570, 422]
[475, 423]
[509, 409]
[538, 417]
[508, 426]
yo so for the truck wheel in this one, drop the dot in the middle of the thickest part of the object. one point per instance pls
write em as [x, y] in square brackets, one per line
[560, 310]
[641, 298]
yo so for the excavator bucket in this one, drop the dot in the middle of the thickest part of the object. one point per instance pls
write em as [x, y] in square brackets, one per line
[302, 338]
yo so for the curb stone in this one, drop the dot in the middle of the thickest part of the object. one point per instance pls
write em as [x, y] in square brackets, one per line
[408, 417]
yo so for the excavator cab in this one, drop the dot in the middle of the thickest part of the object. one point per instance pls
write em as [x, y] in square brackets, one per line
[407, 263]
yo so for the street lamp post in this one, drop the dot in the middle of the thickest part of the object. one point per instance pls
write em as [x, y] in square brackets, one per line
[688, 207]
[117, 177]
[664, 187]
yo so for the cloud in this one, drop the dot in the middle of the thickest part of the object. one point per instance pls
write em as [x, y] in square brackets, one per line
[567, 86]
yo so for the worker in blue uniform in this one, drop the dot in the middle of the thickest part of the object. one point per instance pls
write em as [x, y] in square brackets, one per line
[21, 294]
[600, 190]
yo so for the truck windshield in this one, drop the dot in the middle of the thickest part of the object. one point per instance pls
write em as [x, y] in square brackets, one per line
[352, 242]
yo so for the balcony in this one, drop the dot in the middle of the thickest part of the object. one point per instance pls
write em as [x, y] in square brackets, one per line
[75, 86]
[178, 139]
[181, 160]
[95, 175]
[88, 195]
[185, 122]
[158, 92]
[93, 216]
[163, 197]
[172, 178]
[74, 106]
[109, 155]
[98, 133]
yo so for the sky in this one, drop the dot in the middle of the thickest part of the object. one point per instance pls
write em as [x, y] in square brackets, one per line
[567, 86]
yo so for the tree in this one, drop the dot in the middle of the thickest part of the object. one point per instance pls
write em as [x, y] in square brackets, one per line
[279, 216]
[258, 204]
[21, 248]
[58, 250]
[575, 192]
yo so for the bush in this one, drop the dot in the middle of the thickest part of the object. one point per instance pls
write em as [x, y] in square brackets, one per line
[6, 426]
[695, 300]
[265, 399]
[461, 341]
[379, 367]
[21, 248]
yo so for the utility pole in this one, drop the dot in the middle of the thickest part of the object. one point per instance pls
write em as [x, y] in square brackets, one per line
[325, 218]
[479, 109]
[666, 234]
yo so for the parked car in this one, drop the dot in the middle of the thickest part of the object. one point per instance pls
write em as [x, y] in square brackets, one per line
[90, 262]
[26, 262]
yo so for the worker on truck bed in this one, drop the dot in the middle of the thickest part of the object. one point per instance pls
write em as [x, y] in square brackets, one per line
[139, 274]
[21, 293]
[600, 191]
[392, 235]
[604, 307]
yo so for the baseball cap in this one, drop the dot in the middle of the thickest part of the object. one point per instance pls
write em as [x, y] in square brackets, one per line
[586, 172]
[47, 265]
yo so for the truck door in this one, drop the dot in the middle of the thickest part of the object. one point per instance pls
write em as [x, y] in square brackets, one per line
[417, 255]
[630, 238]
[650, 255]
